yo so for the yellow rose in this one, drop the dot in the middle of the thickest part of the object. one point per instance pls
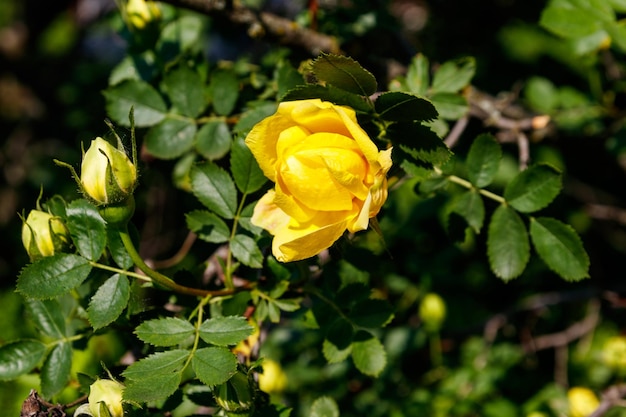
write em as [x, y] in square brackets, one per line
[273, 379]
[140, 13]
[582, 401]
[329, 176]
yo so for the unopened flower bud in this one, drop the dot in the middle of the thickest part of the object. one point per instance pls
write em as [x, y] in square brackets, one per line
[107, 394]
[44, 234]
[107, 174]
[141, 12]
[614, 354]
[432, 311]
[236, 396]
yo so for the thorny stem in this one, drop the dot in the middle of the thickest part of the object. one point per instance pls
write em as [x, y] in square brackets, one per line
[162, 279]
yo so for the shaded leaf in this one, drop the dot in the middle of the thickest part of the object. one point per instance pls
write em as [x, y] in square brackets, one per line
[256, 112]
[245, 169]
[471, 207]
[149, 106]
[20, 357]
[372, 313]
[246, 250]
[87, 228]
[560, 247]
[117, 249]
[170, 138]
[396, 106]
[419, 143]
[533, 188]
[224, 331]
[109, 301]
[208, 226]
[53, 276]
[345, 73]
[48, 316]
[339, 333]
[214, 365]
[329, 93]
[215, 189]
[223, 91]
[168, 331]
[213, 140]
[55, 372]
[185, 90]
[483, 160]
[507, 243]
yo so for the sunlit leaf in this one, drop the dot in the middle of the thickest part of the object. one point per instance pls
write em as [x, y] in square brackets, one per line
[215, 189]
[55, 372]
[507, 243]
[224, 331]
[53, 276]
[345, 73]
[483, 160]
[214, 365]
[109, 301]
[533, 188]
[368, 354]
[168, 331]
[20, 357]
[87, 228]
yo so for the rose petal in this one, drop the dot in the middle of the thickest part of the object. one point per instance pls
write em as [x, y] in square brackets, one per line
[268, 215]
[296, 244]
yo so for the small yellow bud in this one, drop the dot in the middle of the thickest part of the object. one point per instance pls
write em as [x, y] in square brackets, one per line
[141, 12]
[44, 234]
[582, 402]
[273, 379]
[107, 174]
[432, 311]
[108, 393]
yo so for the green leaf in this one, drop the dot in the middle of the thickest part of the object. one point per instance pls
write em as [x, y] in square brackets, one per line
[340, 333]
[533, 188]
[334, 354]
[55, 372]
[53, 276]
[182, 35]
[223, 91]
[214, 365]
[331, 94]
[208, 226]
[168, 331]
[116, 248]
[160, 363]
[245, 220]
[507, 243]
[419, 142]
[560, 247]
[215, 189]
[20, 357]
[324, 407]
[368, 354]
[246, 250]
[287, 77]
[418, 75]
[396, 106]
[87, 228]
[48, 316]
[372, 313]
[541, 94]
[170, 138]
[450, 106]
[453, 76]
[224, 331]
[245, 169]
[185, 90]
[213, 140]
[109, 301]
[471, 207]
[483, 160]
[569, 22]
[149, 106]
[153, 388]
[345, 73]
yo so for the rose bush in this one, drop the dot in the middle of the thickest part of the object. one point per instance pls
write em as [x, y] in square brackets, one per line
[329, 176]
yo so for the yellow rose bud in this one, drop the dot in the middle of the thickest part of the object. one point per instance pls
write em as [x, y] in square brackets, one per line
[432, 311]
[582, 402]
[141, 12]
[44, 234]
[107, 174]
[614, 353]
[329, 176]
[273, 379]
[107, 393]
